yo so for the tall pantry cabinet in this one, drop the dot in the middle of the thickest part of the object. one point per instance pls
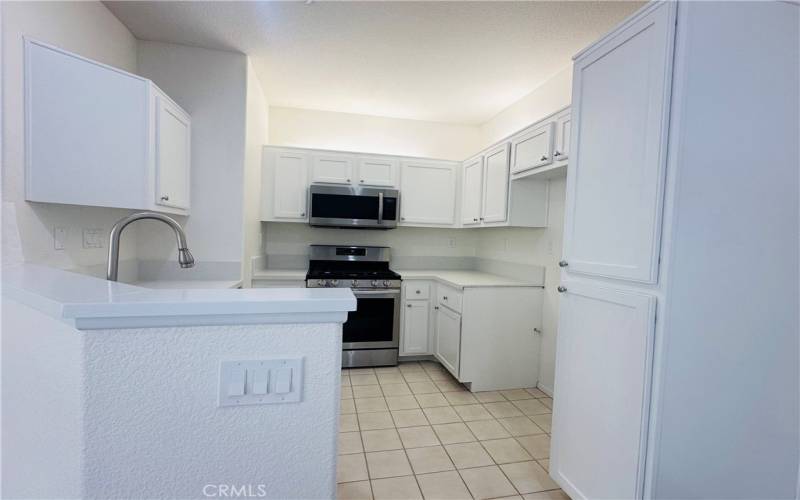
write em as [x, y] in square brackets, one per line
[680, 270]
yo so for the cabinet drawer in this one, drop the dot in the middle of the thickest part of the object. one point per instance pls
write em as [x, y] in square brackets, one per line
[449, 297]
[416, 291]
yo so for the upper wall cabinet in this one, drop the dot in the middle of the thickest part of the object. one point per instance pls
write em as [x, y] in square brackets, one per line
[377, 171]
[428, 193]
[472, 191]
[99, 136]
[532, 148]
[563, 124]
[332, 168]
[284, 185]
[495, 185]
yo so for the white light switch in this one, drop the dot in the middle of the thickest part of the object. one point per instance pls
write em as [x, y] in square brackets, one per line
[260, 378]
[59, 237]
[283, 380]
[236, 382]
[262, 381]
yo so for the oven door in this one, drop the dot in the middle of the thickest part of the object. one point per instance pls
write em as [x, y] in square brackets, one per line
[349, 206]
[376, 321]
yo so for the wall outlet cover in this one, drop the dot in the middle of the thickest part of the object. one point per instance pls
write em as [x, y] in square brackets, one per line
[59, 238]
[92, 238]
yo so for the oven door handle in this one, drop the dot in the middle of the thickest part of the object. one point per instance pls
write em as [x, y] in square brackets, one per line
[390, 291]
[380, 207]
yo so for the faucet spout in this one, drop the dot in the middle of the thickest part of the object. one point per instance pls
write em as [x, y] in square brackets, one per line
[185, 258]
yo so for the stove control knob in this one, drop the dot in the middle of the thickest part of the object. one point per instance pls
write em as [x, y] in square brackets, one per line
[334, 282]
[387, 283]
[322, 282]
[374, 283]
[354, 283]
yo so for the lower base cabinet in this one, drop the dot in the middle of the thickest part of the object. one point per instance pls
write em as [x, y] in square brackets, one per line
[484, 336]
[448, 338]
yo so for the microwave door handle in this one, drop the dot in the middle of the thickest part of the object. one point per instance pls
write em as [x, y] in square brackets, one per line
[380, 207]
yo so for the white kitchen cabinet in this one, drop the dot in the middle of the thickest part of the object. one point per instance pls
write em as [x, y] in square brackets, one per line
[563, 131]
[615, 183]
[428, 193]
[495, 185]
[448, 338]
[332, 168]
[660, 336]
[100, 136]
[605, 339]
[472, 191]
[377, 171]
[285, 185]
[532, 148]
[173, 153]
[416, 314]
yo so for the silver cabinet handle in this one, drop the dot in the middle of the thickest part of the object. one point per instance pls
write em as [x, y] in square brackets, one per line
[562, 289]
[537, 331]
[562, 263]
[436, 307]
[165, 198]
[481, 218]
[444, 298]
[543, 158]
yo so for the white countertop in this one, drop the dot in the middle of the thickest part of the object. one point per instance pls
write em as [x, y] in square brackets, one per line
[458, 279]
[87, 302]
[464, 279]
[188, 284]
[279, 274]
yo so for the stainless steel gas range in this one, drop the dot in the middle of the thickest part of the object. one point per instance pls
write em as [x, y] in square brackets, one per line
[370, 337]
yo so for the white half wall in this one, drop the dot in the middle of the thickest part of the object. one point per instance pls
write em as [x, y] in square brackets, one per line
[88, 29]
[372, 134]
[211, 85]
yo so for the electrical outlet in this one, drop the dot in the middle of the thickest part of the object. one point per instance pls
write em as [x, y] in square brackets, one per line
[59, 238]
[451, 242]
[92, 238]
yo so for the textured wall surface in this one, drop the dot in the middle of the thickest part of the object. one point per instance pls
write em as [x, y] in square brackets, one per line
[153, 428]
[133, 413]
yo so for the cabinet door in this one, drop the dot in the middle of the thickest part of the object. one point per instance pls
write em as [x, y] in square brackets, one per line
[471, 193]
[290, 188]
[173, 152]
[332, 168]
[615, 181]
[495, 185]
[415, 327]
[375, 171]
[605, 342]
[532, 148]
[448, 339]
[428, 191]
[563, 131]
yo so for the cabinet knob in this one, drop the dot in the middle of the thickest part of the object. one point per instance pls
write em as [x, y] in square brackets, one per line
[348, 180]
[436, 307]
[474, 220]
[445, 297]
[562, 263]
[362, 180]
[418, 292]
[562, 289]
[303, 214]
[408, 305]
[481, 218]
[165, 198]
[537, 331]
[402, 218]
[543, 158]
[557, 153]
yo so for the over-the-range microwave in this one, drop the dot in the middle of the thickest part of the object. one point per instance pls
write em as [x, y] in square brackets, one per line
[354, 207]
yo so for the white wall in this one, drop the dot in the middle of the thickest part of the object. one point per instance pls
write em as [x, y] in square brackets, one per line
[256, 135]
[211, 86]
[89, 29]
[371, 134]
[552, 95]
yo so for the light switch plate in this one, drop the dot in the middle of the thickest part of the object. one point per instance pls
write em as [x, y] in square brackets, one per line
[59, 237]
[92, 238]
[260, 381]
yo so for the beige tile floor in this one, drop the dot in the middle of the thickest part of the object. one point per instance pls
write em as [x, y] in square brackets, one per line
[413, 432]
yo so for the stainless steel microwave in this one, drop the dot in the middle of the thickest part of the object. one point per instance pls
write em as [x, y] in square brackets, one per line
[354, 207]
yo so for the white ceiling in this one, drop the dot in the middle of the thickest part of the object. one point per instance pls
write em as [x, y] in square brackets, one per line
[458, 62]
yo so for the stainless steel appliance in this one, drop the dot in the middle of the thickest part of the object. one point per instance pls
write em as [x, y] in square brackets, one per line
[354, 207]
[370, 336]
